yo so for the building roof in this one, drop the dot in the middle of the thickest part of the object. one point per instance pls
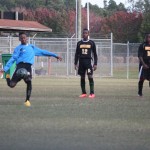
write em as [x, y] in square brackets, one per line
[19, 25]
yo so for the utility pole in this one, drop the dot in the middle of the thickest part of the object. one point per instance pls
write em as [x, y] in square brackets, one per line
[79, 19]
[105, 3]
[88, 20]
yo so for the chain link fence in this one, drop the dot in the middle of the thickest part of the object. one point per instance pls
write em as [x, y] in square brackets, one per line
[117, 60]
[125, 60]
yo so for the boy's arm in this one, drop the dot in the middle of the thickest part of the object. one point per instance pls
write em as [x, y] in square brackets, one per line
[143, 63]
[11, 60]
[41, 52]
[140, 56]
[95, 56]
[76, 58]
[9, 64]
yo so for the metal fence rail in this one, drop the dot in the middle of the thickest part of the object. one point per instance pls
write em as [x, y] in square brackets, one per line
[118, 60]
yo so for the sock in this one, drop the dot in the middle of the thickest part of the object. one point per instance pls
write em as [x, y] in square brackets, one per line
[28, 90]
[82, 83]
[140, 86]
[91, 83]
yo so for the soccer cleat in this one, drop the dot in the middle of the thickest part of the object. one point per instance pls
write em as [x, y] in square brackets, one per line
[140, 94]
[27, 103]
[83, 95]
[92, 96]
[7, 76]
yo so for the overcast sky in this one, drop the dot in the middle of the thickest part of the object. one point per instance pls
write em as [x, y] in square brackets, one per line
[101, 4]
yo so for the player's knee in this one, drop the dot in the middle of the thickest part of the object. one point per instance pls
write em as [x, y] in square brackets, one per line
[82, 76]
[12, 84]
[90, 76]
[28, 79]
[29, 84]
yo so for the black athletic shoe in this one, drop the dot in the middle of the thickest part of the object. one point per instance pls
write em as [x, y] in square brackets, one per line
[140, 94]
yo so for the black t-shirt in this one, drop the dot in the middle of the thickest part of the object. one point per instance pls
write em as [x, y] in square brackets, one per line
[144, 52]
[86, 50]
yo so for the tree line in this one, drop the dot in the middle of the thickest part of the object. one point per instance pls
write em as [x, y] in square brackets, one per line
[126, 23]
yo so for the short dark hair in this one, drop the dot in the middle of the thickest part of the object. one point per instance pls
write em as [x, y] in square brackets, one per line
[85, 29]
[22, 33]
[146, 37]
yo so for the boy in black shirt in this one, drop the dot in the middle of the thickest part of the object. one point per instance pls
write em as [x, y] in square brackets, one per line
[144, 65]
[85, 51]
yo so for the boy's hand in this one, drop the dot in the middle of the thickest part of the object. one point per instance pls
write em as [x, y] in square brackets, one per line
[76, 67]
[145, 66]
[59, 58]
[94, 67]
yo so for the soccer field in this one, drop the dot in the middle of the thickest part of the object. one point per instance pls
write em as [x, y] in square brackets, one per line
[117, 119]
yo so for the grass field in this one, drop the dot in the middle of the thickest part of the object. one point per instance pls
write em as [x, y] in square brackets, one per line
[117, 119]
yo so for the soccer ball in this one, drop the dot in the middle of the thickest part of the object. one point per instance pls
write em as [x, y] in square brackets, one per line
[22, 73]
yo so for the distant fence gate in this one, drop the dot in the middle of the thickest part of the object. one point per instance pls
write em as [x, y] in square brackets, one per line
[117, 60]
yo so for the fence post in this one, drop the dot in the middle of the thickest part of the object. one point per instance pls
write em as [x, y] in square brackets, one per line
[111, 55]
[49, 66]
[128, 60]
[67, 57]
[71, 55]
[10, 44]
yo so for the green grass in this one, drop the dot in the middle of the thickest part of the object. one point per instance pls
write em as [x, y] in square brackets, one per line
[117, 119]
[121, 72]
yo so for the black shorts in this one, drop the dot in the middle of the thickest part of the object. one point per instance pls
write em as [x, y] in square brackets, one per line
[27, 66]
[144, 73]
[85, 65]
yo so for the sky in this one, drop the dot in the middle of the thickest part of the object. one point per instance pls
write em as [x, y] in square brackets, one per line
[100, 2]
